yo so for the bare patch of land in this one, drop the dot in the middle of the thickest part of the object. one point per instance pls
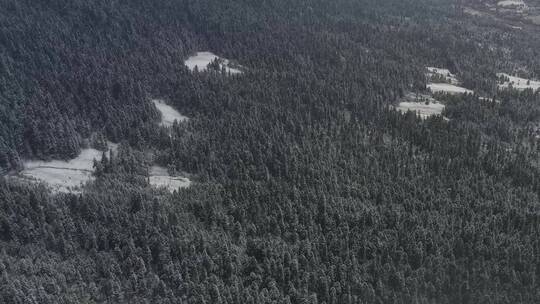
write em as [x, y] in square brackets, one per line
[445, 74]
[422, 109]
[71, 175]
[201, 60]
[60, 175]
[516, 14]
[160, 178]
[448, 88]
[535, 19]
[168, 114]
[518, 83]
[441, 80]
[515, 4]
[424, 105]
[472, 12]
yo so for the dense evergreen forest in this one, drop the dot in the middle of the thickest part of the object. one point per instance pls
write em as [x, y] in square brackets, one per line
[309, 187]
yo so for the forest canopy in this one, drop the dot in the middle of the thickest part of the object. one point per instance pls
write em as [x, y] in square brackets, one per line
[309, 187]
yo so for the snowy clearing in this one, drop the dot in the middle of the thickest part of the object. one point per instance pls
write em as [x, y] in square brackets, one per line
[159, 177]
[489, 99]
[518, 83]
[534, 19]
[424, 105]
[202, 59]
[433, 71]
[63, 176]
[59, 179]
[421, 108]
[168, 114]
[447, 88]
[512, 4]
[451, 85]
[472, 12]
[69, 176]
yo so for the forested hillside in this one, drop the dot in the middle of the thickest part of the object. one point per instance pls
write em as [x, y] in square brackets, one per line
[308, 186]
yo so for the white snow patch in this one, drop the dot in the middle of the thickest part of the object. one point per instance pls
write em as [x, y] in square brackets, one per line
[424, 105]
[447, 88]
[159, 177]
[487, 99]
[433, 71]
[69, 176]
[519, 83]
[63, 176]
[451, 85]
[168, 114]
[82, 162]
[59, 179]
[202, 59]
[512, 4]
[112, 146]
[472, 12]
[421, 108]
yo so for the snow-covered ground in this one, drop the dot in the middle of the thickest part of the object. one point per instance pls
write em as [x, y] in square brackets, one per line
[472, 12]
[424, 105]
[159, 177]
[489, 99]
[512, 4]
[202, 59]
[421, 108]
[59, 179]
[69, 176]
[519, 83]
[168, 113]
[451, 85]
[535, 19]
[63, 176]
[447, 88]
[433, 71]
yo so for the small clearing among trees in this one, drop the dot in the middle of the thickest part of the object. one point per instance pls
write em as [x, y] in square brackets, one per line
[168, 114]
[203, 60]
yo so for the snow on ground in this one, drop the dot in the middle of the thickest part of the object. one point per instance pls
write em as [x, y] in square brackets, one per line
[472, 12]
[423, 105]
[426, 105]
[112, 146]
[60, 175]
[489, 99]
[535, 19]
[82, 162]
[59, 179]
[432, 71]
[447, 88]
[202, 59]
[421, 108]
[69, 176]
[512, 3]
[159, 177]
[168, 113]
[519, 83]
[451, 85]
